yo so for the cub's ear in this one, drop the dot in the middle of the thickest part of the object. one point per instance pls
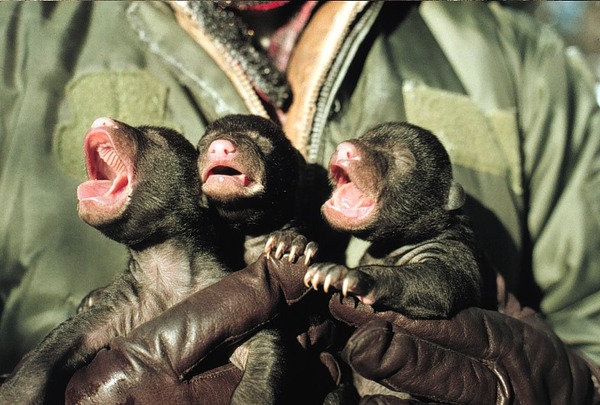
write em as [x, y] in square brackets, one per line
[456, 197]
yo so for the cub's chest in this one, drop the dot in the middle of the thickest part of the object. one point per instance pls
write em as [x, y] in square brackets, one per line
[404, 254]
[164, 271]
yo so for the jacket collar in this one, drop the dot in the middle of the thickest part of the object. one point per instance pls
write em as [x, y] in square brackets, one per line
[224, 59]
[309, 64]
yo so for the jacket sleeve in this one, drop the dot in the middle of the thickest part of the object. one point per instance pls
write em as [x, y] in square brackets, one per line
[560, 122]
[514, 62]
[49, 258]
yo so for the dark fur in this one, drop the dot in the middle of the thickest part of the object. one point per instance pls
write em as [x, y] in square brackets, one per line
[264, 153]
[244, 224]
[261, 215]
[173, 254]
[423, 261]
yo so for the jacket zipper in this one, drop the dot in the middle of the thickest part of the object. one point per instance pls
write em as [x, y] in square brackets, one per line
[222, 57]
[323, 99]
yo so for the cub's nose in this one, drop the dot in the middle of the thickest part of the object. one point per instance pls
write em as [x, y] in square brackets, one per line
[104, 122]
[346, 151]
[221, 148]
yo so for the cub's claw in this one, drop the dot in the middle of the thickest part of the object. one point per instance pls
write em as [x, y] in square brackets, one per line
[298, 246]
[269, 246]
[281, 248]
[348, 281]
[310, 251]
[307, 278]
[326, 283]
[293, 254]
[328, 274]
[345, 287]
[291, 243]
[315, 281]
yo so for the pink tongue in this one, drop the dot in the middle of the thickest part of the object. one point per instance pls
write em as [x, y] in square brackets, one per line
[349, 196]
[93, 188]
[106, 190]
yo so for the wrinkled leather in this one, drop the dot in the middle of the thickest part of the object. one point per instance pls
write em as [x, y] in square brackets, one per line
[118, 377]
[477, 357]
[150, 365]
[386, 400]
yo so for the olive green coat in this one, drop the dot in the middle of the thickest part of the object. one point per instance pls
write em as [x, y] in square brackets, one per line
[515, 110]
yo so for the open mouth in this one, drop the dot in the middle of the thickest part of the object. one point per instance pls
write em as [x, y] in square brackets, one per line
[221, 173]
[110, 179]
[347, 198]
[226, 180]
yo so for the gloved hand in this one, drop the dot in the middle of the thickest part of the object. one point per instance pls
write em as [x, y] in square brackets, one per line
[150, 365]
[477, 357]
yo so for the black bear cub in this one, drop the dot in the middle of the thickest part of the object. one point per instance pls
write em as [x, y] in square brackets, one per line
[393, 186]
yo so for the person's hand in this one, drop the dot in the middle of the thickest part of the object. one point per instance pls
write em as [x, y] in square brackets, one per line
[477, 357]
[152, 363]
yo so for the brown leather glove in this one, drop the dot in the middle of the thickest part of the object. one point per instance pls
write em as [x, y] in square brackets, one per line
[477, 357]
[151, 364]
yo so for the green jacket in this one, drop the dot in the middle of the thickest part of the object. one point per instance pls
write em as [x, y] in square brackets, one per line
[515, 110]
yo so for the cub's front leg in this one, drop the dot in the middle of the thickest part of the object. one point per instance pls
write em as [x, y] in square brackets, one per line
[349, 281]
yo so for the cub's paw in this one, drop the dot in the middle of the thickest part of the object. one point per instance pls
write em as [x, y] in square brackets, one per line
[348, 281]
[291, 243]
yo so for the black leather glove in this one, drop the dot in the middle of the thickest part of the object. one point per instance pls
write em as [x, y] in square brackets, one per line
[151, 364]
[477, 357]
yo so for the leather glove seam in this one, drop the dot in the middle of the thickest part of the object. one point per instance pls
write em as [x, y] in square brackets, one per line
[230, 341]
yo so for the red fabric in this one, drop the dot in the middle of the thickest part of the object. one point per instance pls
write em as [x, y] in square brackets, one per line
[284, 39]
[258, 6]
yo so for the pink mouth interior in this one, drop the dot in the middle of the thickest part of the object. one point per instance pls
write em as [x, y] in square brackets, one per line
[348, 199]
[109, 180]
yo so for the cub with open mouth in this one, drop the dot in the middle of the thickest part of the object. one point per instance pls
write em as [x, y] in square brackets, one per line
[393, 187]
[251, 175]
[144, 192]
